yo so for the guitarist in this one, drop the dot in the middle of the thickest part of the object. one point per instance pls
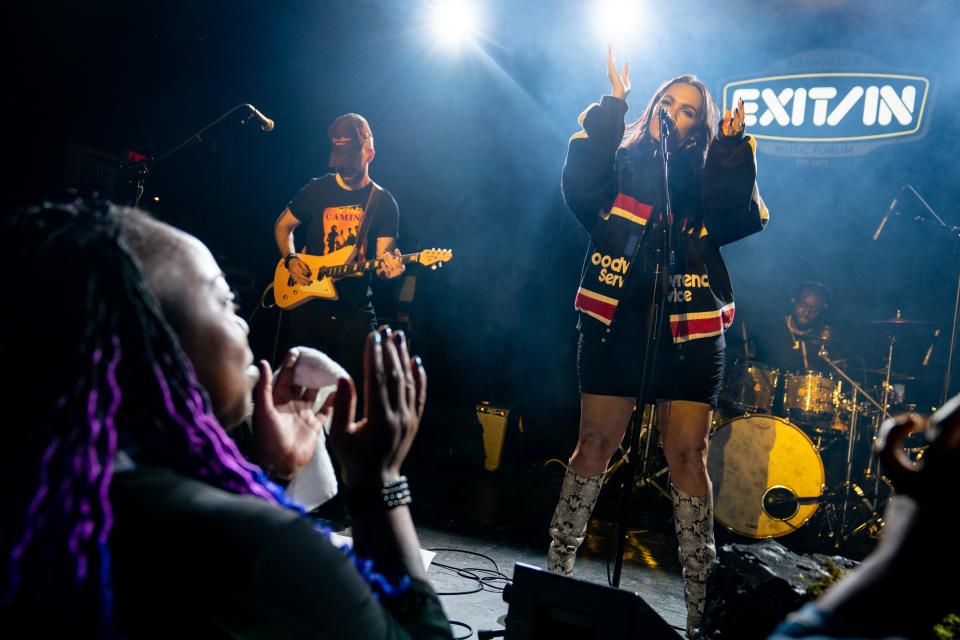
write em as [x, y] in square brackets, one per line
[340, 208]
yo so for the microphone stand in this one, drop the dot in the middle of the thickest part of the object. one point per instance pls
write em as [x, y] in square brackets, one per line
[654, 324]
[142, 167]
[955, 233]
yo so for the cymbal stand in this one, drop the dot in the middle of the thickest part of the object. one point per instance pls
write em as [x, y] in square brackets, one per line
[875, 460]
[646, 475]
[848, 484]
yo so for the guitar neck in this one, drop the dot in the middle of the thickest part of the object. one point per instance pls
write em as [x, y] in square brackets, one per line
[362, 267]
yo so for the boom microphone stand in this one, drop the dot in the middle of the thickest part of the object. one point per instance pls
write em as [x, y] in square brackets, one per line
[142, 168]
[955, 233]
[654, 323]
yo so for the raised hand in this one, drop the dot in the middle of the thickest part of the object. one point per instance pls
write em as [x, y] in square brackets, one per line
[285, 425]
[732, 124]
[372, 450]
[619, 81]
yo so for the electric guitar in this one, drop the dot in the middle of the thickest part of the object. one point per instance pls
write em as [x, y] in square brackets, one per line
[333, 266]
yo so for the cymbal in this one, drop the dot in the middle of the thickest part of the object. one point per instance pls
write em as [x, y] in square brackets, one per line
[897, 321]
[894, 375]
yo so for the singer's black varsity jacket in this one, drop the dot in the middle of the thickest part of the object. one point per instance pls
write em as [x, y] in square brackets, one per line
[615, 192]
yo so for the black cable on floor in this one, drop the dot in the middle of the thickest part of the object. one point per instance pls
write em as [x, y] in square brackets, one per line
[486, 579]
[456, 623]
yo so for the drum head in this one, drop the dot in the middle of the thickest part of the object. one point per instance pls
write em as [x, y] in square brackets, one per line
[759, 465]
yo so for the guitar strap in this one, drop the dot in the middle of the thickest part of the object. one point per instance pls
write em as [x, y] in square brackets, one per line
[369, 210]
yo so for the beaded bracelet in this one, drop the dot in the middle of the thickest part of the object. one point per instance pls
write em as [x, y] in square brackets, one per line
[390, 495]
[396, 493]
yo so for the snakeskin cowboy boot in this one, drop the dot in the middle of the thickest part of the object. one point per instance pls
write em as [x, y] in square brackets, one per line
[568, 527]
[693, 521]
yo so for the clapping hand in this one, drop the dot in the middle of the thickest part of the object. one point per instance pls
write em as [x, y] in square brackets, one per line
[372, 449]
[285, 424]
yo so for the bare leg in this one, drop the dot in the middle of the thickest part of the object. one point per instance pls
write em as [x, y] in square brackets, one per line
[685, 432]
[603, 422]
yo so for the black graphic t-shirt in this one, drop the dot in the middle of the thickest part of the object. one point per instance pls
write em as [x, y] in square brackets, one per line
[333, 215]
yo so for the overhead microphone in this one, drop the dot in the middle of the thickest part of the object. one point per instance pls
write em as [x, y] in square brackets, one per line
[265, 123]
[929, 353]
[890, 211]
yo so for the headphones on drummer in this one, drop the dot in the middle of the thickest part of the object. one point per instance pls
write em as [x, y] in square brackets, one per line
[815, 287]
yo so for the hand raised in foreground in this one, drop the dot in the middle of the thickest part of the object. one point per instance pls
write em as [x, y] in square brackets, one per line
[372, 449]
[285, 424]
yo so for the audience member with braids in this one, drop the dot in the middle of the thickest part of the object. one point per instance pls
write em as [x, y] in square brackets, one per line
[128, 510]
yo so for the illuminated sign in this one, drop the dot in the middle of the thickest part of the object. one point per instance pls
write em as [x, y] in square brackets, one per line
[831, 107]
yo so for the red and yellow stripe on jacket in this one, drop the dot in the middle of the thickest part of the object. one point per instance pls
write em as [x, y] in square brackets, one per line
[631, 209]
[702, 324]
[600, 300]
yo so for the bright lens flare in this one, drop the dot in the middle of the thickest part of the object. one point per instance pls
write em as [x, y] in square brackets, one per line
[616, 21]
[454, 22]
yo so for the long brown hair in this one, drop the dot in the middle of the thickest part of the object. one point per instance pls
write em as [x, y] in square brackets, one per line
[698, 140]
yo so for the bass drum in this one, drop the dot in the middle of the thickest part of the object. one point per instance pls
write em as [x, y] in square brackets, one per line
[760, 465]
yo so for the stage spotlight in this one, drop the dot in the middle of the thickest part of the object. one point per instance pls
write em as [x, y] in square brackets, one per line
[616, 21]
[453, 22]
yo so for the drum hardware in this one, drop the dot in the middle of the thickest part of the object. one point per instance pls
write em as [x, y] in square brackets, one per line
[751, 387]
[811, 397]
[894, 375]
[874, 522]
[848, 485]
[645, 474]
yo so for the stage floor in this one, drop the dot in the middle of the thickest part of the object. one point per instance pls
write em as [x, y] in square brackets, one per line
[649, 569]
[461, 511]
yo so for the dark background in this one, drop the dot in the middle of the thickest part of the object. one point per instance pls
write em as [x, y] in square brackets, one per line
[471, 144]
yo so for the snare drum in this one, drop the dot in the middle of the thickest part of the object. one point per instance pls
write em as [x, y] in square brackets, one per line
[750, 387]
[811, 397]
[760, 466]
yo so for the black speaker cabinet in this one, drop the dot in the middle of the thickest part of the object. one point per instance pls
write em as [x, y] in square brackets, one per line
[547, 606]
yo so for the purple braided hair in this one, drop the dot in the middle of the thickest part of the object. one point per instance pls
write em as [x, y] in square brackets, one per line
[56, 545]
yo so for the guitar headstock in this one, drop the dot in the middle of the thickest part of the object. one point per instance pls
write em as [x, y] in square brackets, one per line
[434, 258]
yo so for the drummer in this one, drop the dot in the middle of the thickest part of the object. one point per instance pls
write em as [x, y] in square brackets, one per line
[792, 344]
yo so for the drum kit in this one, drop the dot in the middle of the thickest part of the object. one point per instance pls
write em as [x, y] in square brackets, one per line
[792, 448]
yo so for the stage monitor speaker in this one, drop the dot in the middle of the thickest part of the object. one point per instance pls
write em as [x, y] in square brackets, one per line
[549, 606]
[495, 422]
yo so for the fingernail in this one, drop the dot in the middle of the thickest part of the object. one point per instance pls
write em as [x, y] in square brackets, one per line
[418, 361]
[376, 337]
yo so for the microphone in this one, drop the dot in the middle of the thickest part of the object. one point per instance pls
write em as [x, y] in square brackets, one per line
[667, 126]
[265, 123]
[929, 353]
[886, 216]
